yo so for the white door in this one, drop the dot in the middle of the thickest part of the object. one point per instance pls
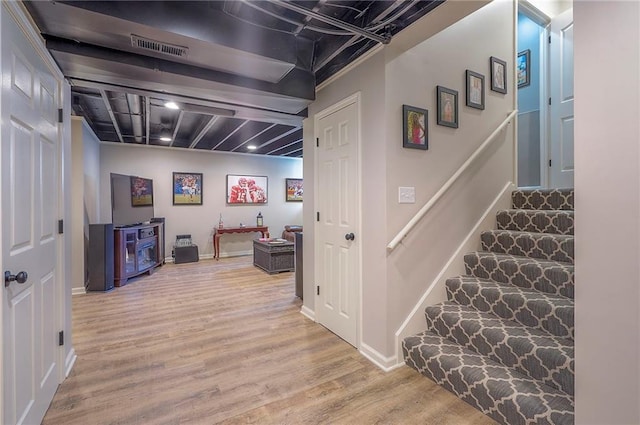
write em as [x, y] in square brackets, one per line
[29, 152]
[561, 109]
[338, 241]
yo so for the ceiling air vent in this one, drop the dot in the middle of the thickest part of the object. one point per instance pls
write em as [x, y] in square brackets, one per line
[158, 46]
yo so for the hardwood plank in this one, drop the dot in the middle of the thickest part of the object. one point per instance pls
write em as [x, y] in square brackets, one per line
[224, 342]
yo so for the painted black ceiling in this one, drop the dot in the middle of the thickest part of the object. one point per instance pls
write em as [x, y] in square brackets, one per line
[241, 72]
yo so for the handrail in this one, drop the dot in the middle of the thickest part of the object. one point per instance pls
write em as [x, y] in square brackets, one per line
[416, 218]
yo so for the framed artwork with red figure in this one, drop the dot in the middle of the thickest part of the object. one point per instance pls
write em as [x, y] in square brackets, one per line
[246, 190]
[414, 127]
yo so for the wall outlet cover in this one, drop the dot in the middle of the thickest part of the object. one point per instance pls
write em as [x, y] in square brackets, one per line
[406, 195]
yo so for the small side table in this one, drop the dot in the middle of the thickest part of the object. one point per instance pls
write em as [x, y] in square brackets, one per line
[264, 231]
[273, 257]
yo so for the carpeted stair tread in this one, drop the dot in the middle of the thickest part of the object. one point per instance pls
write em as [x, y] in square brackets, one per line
[543, 199]
[527, 244]
[545, 312]
[552, 277]
[500, 392]
[529, 351]
[538, 221]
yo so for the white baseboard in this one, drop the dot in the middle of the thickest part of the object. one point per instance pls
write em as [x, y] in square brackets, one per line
[78, 291]
[415, 322]
[69, 362]
[210, 256]
[306, 311]
[385, 363]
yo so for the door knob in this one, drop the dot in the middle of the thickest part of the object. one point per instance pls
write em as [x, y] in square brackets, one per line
[21, 277]
[349, 236]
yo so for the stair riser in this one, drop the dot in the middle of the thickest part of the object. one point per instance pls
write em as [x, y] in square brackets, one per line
[558, 280]
[538, 314]
[556, 222]
[538, 357]
[487, 386]
[548, 199]
[549, 247]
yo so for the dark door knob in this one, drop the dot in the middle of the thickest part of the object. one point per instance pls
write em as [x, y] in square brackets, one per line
[349, 236]
[21, 277]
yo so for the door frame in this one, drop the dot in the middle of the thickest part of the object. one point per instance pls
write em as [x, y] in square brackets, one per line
[537, 16]
[352, 99]
[18, 13]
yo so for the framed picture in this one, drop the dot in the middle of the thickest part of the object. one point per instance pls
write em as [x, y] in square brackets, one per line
[294, 190]
[414, 127]
[246, 190]
[498, 75]
[523, 68]
[447, 107]
[141, 191]
[187, 188]
[475, 90]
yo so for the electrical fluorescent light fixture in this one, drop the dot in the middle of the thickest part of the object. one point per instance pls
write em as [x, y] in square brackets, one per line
[251, 147]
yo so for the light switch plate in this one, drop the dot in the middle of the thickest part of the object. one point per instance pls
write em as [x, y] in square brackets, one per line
[407, 195]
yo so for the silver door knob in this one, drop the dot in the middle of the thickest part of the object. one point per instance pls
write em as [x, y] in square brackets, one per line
[21, 277]
[349, 236]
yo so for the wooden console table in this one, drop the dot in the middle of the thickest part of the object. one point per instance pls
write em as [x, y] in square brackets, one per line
[264, 230]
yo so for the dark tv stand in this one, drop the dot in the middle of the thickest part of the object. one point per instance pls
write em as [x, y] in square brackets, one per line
[138, 249]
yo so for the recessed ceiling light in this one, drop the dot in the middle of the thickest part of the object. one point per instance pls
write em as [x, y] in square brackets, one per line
[171, 105]
[165, 138]
[251, 147]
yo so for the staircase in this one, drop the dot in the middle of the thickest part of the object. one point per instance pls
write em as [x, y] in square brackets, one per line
[503, 342]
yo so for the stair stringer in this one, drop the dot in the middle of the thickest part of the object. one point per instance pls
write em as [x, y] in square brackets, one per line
[436, 291]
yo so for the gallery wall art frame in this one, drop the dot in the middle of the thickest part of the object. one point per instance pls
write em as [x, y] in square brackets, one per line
[244, 189]
[415, 130]
[475, 89]
[498, 75]
[523, 67]
[294, 190]
[447, 100]
[187, 188]
[141, 191]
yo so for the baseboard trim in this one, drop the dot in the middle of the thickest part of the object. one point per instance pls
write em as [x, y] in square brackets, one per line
[385, 363]
[69, 362]
[210, 256]
[306, 311]
[78, 291]
[418, 310]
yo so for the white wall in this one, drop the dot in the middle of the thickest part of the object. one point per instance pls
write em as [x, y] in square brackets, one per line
[76, 225]
[91, 162]
[158, 164]
[407, 72]
[607, 184]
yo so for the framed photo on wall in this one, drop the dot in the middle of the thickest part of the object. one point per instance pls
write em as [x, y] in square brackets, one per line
[246, 189]
[524, 68]
[294, 190]
[414, 128]
[498, 75]
[187, 188]
[447, 100]
[475, 89]
[141, 191]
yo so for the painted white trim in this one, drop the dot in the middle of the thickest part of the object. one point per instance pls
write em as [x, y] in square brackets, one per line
[78, 291]
[385, 363]
[533, 13]
[484, 223]
[349, 67]
[210, 256]
[69, 362]
[307, 312]
[353, 99]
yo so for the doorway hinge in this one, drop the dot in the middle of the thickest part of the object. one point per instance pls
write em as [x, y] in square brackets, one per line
[318, 216]
[549, 101]
[318, 290]
[60, 112]
[61, 338]
[317, 142]
[60, 227]
[549, 163]
[549, 39]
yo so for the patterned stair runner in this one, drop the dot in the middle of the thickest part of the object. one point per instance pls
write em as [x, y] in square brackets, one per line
[504, 340]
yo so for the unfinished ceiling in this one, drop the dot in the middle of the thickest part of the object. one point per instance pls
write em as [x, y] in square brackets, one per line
[241, 73]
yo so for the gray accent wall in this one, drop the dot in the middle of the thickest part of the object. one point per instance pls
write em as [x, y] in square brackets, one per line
[529, 149]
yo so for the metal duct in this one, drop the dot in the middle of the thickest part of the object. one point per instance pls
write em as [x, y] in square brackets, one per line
[136, 116]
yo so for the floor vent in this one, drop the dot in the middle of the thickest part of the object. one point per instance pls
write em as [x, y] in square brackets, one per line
[158, 46]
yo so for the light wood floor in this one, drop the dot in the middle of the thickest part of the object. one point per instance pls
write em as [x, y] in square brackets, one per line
[223, 342]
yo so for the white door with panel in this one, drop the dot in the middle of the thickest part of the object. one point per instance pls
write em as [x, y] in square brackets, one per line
[31, 143]
[338, 242]
[561, 109]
